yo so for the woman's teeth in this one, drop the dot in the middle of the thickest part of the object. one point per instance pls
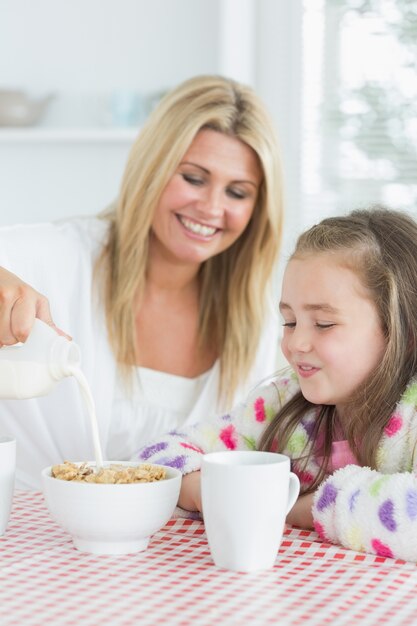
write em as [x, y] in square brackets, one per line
[195, 227]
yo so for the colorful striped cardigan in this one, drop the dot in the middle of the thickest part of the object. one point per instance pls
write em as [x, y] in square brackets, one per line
[362, 509]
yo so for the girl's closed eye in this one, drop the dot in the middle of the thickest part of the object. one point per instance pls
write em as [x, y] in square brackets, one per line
[319, 325]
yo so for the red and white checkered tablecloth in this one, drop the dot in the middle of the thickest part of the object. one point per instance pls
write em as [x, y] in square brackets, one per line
[45, 581]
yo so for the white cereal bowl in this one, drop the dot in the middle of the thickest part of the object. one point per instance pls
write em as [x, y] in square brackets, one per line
[112, 519]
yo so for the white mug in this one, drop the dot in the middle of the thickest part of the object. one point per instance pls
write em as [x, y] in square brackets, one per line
[245, 499]
[7, 472]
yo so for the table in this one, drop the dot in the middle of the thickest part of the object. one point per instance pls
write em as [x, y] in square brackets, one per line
[45, 581]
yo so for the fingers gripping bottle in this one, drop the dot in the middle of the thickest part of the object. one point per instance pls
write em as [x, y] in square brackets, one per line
[33, 368]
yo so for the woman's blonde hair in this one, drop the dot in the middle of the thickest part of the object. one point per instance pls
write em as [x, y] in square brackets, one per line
[233, 283]
[380, 246]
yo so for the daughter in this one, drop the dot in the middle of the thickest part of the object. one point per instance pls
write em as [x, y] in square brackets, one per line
[346, 412]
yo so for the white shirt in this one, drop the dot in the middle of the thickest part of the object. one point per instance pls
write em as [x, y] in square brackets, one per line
[159, 403]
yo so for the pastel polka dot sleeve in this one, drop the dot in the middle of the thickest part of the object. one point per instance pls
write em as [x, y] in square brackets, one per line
[376, 511]
[365, 510]
[240, 429]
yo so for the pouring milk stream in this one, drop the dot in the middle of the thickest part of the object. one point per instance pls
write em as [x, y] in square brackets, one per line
[33, 368]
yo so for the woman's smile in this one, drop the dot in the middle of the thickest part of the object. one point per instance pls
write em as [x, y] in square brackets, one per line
[203, 231]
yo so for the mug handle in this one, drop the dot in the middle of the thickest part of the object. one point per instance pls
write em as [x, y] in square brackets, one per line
[293, 491]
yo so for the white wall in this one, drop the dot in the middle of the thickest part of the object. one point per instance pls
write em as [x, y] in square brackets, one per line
[51, 180]
[278, 81]
[94, 45]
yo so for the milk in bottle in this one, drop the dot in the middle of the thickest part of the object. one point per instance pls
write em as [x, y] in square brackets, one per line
[33, 368]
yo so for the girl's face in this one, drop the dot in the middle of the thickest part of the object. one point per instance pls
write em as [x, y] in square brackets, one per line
[333, 337]
[209, 201]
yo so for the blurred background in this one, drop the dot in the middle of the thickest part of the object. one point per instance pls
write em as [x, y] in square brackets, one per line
[78, 77]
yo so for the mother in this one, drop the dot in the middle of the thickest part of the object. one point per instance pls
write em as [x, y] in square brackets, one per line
[166, 293]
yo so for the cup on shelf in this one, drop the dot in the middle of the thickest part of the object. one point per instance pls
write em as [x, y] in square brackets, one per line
[126, 108]
[246, 497]
[7, 474]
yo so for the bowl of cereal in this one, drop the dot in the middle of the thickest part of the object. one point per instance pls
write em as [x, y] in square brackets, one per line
[114, 510]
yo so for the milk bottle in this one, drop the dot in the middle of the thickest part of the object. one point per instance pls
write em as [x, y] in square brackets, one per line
[33, 368]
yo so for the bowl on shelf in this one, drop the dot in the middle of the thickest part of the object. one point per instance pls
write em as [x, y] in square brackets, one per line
[112, 518]
[18, 109]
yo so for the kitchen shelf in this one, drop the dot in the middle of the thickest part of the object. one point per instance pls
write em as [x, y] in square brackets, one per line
[67, 135]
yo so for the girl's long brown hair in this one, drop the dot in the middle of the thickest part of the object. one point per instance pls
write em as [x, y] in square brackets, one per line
[380, 246]
[233, 284]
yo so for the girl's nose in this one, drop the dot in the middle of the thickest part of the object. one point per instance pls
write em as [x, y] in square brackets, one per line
[300, 340]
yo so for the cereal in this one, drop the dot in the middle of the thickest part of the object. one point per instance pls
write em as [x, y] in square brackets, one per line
[110, 474]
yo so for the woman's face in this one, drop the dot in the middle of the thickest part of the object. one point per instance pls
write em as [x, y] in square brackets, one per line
[209, 200]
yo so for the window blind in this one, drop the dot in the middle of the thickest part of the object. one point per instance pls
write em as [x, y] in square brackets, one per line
[359, 106]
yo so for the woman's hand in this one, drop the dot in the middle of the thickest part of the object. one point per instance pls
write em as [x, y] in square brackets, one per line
[19, 306]
[190, 493]
[301, 513]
